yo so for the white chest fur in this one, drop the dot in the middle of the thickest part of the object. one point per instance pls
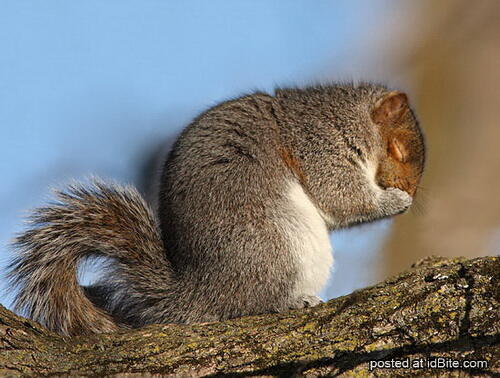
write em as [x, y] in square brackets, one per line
[309, 239]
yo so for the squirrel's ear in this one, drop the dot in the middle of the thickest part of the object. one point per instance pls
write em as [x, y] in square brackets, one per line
[390, 108]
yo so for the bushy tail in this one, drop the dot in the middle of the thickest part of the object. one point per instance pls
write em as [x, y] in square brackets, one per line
[98, 220]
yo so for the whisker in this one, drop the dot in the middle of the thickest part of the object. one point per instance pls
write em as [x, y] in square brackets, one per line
[420, 201]
[418, 208]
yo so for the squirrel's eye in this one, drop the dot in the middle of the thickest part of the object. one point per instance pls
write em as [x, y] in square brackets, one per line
[397, 150]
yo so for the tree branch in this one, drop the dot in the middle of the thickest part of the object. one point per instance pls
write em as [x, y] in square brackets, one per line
[439, 308]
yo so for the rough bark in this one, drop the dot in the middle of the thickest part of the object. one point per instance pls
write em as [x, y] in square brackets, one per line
[439, 308]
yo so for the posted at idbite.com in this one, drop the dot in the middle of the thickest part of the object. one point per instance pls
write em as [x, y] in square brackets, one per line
[427, 363]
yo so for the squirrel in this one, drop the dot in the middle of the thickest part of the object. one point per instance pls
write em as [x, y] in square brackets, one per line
[247, 197]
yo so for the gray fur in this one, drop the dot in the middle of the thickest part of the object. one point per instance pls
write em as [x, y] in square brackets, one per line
[224, 216]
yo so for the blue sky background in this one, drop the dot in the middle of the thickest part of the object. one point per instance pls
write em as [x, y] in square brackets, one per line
[93, 87]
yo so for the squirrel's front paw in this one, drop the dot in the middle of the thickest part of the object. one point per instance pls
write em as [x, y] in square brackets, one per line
[395, 201]
[305, 301]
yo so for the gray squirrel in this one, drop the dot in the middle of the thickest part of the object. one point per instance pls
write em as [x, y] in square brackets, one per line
[247, 197]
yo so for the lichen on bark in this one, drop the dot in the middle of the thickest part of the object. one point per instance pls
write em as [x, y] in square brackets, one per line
[446, 308]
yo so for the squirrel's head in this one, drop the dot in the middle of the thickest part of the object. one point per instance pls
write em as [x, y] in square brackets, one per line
[402, 163]
[335, 124]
